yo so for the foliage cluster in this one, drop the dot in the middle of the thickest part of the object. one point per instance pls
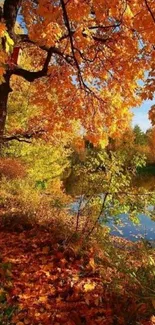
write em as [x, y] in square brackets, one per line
[134, 141]
[31, 187]
[105, 187]
[84, 66]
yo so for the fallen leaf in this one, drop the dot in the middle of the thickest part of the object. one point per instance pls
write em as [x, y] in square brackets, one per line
[42, 299]
[89, 286]
[46, 250]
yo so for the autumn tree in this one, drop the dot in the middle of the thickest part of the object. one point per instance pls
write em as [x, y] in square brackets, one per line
[140, 136]
[86, 60]
[151, 143]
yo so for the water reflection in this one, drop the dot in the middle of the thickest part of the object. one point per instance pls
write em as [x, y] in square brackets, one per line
[128, 230]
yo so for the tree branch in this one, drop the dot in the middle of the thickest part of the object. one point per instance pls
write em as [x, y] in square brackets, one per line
[105, 27]
[99, 216]
[70, 34]
[14, 137]
[55, 50]
[150, 10]
[24, 137]
[10, 11]
[31, 75]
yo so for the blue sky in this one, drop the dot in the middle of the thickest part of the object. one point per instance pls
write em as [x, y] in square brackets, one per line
[141, 115]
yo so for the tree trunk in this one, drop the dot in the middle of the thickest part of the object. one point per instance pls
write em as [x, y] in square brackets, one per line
[4, 92]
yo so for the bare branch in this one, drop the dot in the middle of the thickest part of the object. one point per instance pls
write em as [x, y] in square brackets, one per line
[66, 21]
[150, 10]
[24, 137]
[14, 137]
[99, 216]
[105, 27]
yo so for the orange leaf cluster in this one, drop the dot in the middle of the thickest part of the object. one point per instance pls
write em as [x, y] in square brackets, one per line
[89, 56]
[103, 50]
[2, 29]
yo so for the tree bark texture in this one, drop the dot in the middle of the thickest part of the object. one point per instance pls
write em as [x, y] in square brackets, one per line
[4, 92]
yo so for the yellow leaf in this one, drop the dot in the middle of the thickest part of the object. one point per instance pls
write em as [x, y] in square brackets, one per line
[9, 43]
[151, 261]
[89, 286]
[42, 299]
[128, 12]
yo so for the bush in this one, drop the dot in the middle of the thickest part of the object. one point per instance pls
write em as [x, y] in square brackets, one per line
[12, 168]
[23, 205]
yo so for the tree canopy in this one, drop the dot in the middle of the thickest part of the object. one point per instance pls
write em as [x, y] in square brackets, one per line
[84, 59]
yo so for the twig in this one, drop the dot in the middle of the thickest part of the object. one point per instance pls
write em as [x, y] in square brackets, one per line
[150, 11]
[98, 218]
[78, 213]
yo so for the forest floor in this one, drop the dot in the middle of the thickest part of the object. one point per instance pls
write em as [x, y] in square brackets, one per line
[44, 282]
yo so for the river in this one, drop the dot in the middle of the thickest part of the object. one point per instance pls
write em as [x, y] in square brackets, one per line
[126, 228]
